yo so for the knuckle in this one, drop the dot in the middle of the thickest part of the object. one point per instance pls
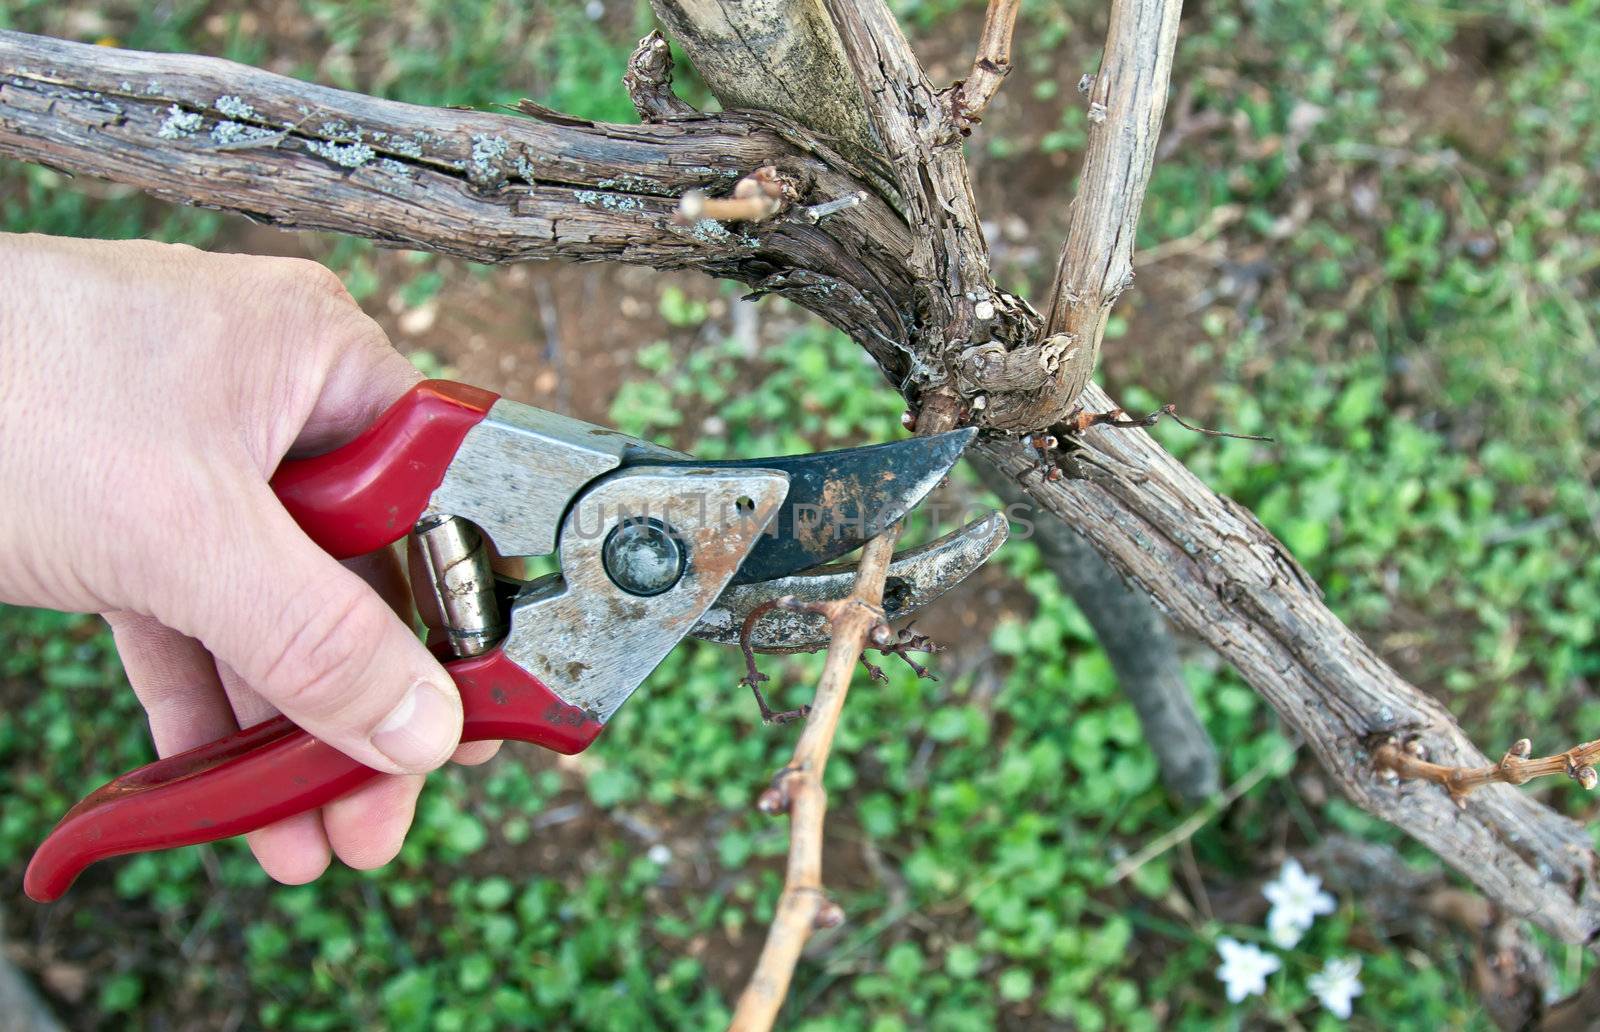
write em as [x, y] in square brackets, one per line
[336, 320]
[309, 293]
[328, 649]
[314, 278]
[360, 334]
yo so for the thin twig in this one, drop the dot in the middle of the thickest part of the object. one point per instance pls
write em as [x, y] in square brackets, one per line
[1408, 760]
[753, 677]
[854, 622]
[804, 907]
[817, 212]
[989, 68]
[1119, 418]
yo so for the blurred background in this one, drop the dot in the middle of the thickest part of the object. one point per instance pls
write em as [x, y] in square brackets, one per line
[1371, 234]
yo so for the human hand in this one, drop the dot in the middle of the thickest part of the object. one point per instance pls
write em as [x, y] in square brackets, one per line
[147, 393]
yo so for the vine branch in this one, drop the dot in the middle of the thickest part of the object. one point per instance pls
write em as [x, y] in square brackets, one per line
[1516, 767]
[476, 185]
[971, 96]
[797, 790]
[1218, 573]
[1126, 99]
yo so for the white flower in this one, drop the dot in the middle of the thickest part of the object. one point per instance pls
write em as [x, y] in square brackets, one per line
[1244, 968]
[1337, 984]
[1297, 898]
[659, 854]
[1282, 929]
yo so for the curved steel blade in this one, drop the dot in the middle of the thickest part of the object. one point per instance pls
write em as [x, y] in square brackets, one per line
[916, 577]
[838, 500]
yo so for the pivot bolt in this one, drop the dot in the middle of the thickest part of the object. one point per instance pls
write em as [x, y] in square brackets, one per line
[644, 557]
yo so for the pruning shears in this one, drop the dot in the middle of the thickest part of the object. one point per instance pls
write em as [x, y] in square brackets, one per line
[653, 546]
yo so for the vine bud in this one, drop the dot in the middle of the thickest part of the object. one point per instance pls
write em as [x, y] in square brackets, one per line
[829, 915]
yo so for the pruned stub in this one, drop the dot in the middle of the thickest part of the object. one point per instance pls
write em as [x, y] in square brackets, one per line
[1010, 375]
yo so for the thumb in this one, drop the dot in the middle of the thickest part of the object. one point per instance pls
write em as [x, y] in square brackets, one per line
[317, 642]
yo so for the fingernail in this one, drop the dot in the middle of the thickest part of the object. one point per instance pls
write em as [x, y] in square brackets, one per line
[420, 732]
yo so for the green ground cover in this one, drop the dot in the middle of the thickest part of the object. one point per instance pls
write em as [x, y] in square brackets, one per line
[1399, 288]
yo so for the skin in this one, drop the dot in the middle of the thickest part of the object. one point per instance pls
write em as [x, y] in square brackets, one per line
[147, 393]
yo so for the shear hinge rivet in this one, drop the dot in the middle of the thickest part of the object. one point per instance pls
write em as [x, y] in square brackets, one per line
[644, 556]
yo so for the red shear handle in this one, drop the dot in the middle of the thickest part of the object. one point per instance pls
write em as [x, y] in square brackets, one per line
[368, 493]
[275, 770]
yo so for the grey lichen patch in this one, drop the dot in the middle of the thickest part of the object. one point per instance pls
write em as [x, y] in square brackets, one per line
[710, 231]
[348, 155]
[487, 167]
[489, 148]
[389, 166]
[235, 107]
[629, 183]
[180, 124]
[610, 202]
[225, 133]
[406, 148]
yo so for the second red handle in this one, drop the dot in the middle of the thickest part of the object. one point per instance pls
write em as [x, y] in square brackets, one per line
[274, 770]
